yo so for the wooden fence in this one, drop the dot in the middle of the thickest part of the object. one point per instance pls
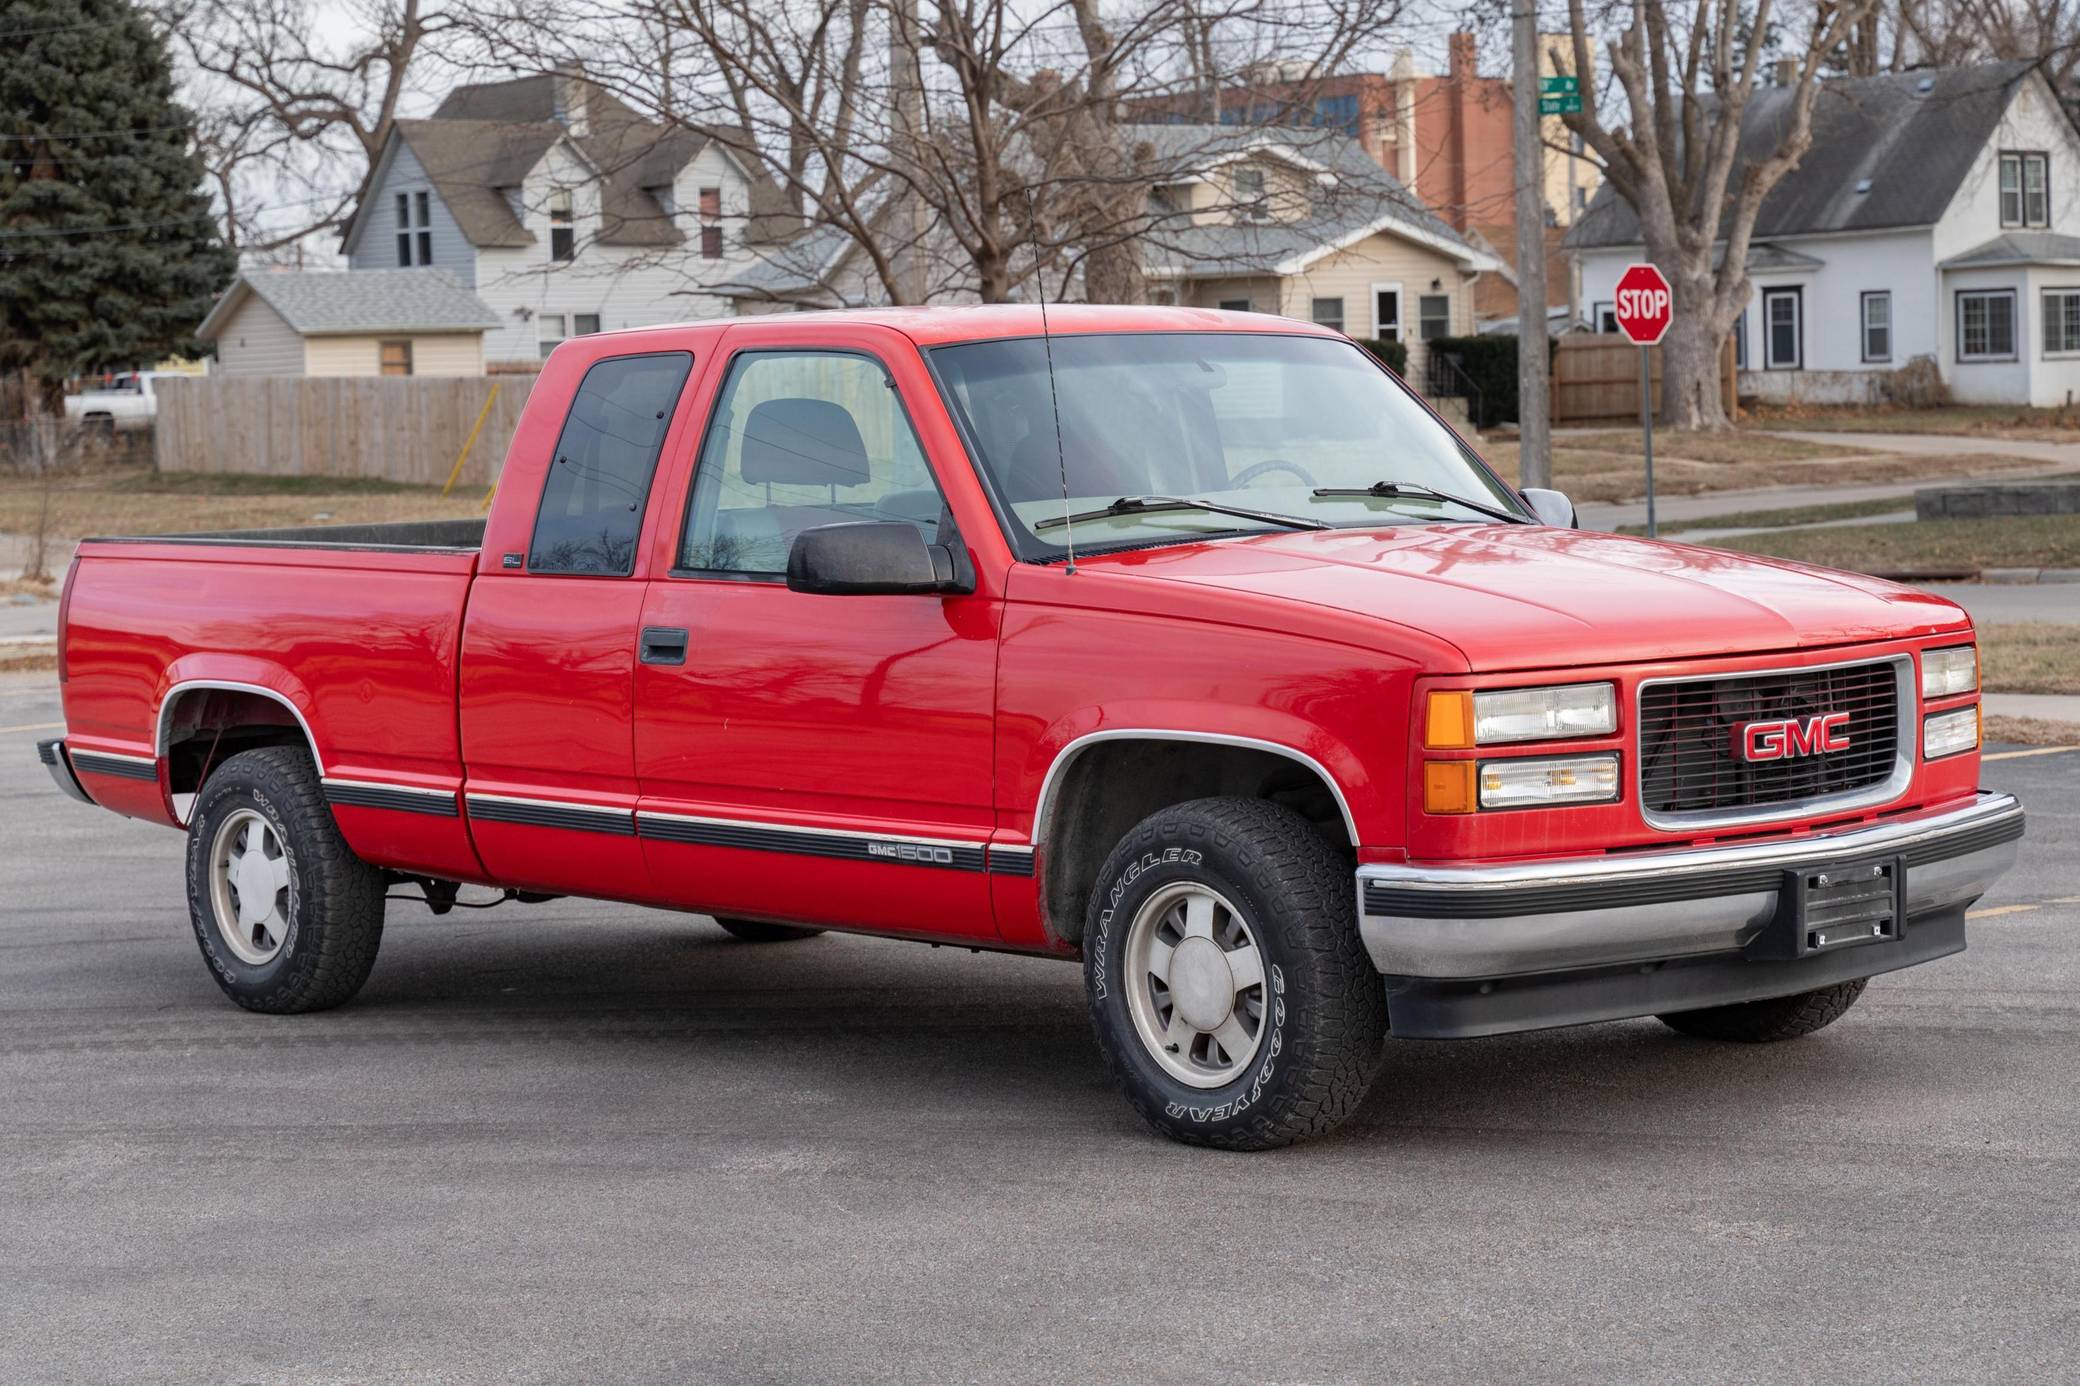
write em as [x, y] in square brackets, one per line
[1596, 376]
[410, 429]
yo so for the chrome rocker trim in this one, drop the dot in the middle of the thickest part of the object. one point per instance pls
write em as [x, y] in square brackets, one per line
[56, 760]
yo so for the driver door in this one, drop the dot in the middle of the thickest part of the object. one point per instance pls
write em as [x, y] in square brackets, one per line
[810, 758]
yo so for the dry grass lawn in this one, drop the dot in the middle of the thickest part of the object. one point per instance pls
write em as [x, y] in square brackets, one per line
[2031, 731]
[2030, 657]
[1928, 547]
[1611, 466]
[1973, 420]
[137, 501]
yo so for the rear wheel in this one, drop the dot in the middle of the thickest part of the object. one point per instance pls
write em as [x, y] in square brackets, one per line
[1227, 984]
[1778, 1018]
[753, 931]
[288, 918]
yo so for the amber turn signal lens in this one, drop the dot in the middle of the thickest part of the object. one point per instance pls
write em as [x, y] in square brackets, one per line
[1448, 725]
[1448, 786]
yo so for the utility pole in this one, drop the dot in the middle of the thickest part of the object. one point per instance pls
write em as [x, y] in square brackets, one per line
[1534, 459]
[908, 81]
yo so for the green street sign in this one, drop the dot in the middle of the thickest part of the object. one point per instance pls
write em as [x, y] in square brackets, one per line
[1566, 83]
[1560, 105]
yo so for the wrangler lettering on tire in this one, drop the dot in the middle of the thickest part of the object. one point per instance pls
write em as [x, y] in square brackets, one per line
[1227, 985]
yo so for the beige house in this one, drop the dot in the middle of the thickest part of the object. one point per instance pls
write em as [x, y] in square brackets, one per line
[1299, 222]
[356, 322]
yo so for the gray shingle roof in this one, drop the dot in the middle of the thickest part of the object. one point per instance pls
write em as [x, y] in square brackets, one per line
[1913, 145]
[633, 155]
[1355, 193]
[351, 302]
[471, 162]
[2020, 248]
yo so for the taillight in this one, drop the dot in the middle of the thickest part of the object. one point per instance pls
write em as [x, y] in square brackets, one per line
[65, 620]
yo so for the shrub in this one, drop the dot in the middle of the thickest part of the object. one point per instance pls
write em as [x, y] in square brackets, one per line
[1394, 354]
[1490, 365]
[1916, 385]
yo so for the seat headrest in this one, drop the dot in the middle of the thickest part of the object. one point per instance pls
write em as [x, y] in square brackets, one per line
[804, 442]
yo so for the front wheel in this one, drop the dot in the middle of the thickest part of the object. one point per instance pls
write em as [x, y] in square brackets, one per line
[288, 918]
[1764, 1022]
[1227, 984]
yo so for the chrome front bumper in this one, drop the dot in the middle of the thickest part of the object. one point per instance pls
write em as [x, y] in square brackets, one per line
[1470, 922]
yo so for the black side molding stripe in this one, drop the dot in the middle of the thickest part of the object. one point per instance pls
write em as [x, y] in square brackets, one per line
[804, 842]
[121, 767]
[1010, 861]
[356, 794]
[528, 813]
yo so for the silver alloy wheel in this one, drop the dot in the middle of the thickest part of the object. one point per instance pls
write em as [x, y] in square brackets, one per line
[1195, 984]
[249, 887]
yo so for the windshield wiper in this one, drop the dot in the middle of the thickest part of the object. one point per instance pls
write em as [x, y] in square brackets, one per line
[1388, 490]
[1147, 505]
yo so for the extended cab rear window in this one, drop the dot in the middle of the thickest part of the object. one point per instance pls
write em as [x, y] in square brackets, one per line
[592, 504]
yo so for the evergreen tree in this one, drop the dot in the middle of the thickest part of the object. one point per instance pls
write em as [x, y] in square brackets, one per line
[109, 250]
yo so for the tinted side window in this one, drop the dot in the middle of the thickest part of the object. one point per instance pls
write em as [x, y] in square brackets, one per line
[592, 504]
[801, 439]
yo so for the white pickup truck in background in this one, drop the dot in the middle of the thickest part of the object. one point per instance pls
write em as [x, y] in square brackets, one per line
[126, 402]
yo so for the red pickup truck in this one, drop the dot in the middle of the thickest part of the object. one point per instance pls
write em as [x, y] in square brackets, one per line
[1189, 644]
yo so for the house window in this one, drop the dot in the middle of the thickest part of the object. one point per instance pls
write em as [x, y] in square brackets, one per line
[1328, 312]
[395, 358]
[1249, 195]
[2025, 189]
[549, 331]
[584, 324]
[1877, 326]
[2061, 321]
[1386, 314]
[1163, 298]
[563, 227]
[711, 223]
[1606, 316]
[1234, 305]
[1783, 329]
[1433, 316]
[1986, 325]
[1338, 112]
[414, 229]
[1740, 341]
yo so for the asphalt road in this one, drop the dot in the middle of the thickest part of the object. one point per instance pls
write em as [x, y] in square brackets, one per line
[575, 1142]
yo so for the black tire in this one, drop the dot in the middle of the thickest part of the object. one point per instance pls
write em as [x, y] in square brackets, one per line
[1765, 1022]
[753, 931]
[334, 908]
[1323, 1007]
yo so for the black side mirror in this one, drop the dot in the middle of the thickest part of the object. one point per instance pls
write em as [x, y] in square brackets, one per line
[870, 558]
[1552, 507]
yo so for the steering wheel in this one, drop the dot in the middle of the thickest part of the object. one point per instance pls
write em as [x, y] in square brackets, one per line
[1271, 464]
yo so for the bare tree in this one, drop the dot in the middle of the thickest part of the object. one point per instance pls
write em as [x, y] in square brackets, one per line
[283, 110]
[1947, 32]
[1674, 152]
[954, 146]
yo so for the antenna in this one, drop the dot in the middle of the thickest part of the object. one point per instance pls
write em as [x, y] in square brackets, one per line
[1061, 454]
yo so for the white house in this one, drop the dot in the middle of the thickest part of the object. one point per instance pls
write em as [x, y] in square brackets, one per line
[1936, 215]
[564, 211]
[1298, 222]
[340, 322]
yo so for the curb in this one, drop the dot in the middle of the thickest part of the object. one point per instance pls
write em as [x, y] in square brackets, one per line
[2002, 577]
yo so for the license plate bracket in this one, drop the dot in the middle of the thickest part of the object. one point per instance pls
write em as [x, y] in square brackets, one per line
[1824, 908]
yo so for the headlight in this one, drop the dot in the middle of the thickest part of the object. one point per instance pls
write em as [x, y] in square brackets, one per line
[1947, 673]
[1530, 783]
[1498, 716]
[1947, 733]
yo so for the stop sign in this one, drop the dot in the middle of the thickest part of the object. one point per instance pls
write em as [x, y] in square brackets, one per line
[1645, 307]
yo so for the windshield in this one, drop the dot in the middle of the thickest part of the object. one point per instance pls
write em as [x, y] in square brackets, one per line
[1263, 422]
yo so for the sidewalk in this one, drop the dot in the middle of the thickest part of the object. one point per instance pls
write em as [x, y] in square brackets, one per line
[2049, 707]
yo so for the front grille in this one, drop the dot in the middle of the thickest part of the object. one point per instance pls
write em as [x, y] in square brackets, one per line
[1690, 762]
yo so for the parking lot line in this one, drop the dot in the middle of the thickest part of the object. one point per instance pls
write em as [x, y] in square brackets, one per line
[1999, 910]
[34, 726]
[2036, 751]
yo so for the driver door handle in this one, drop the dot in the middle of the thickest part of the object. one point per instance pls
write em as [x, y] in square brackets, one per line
[663, 645]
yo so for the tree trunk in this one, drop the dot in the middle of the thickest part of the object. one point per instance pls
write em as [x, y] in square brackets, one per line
[1691, 395]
